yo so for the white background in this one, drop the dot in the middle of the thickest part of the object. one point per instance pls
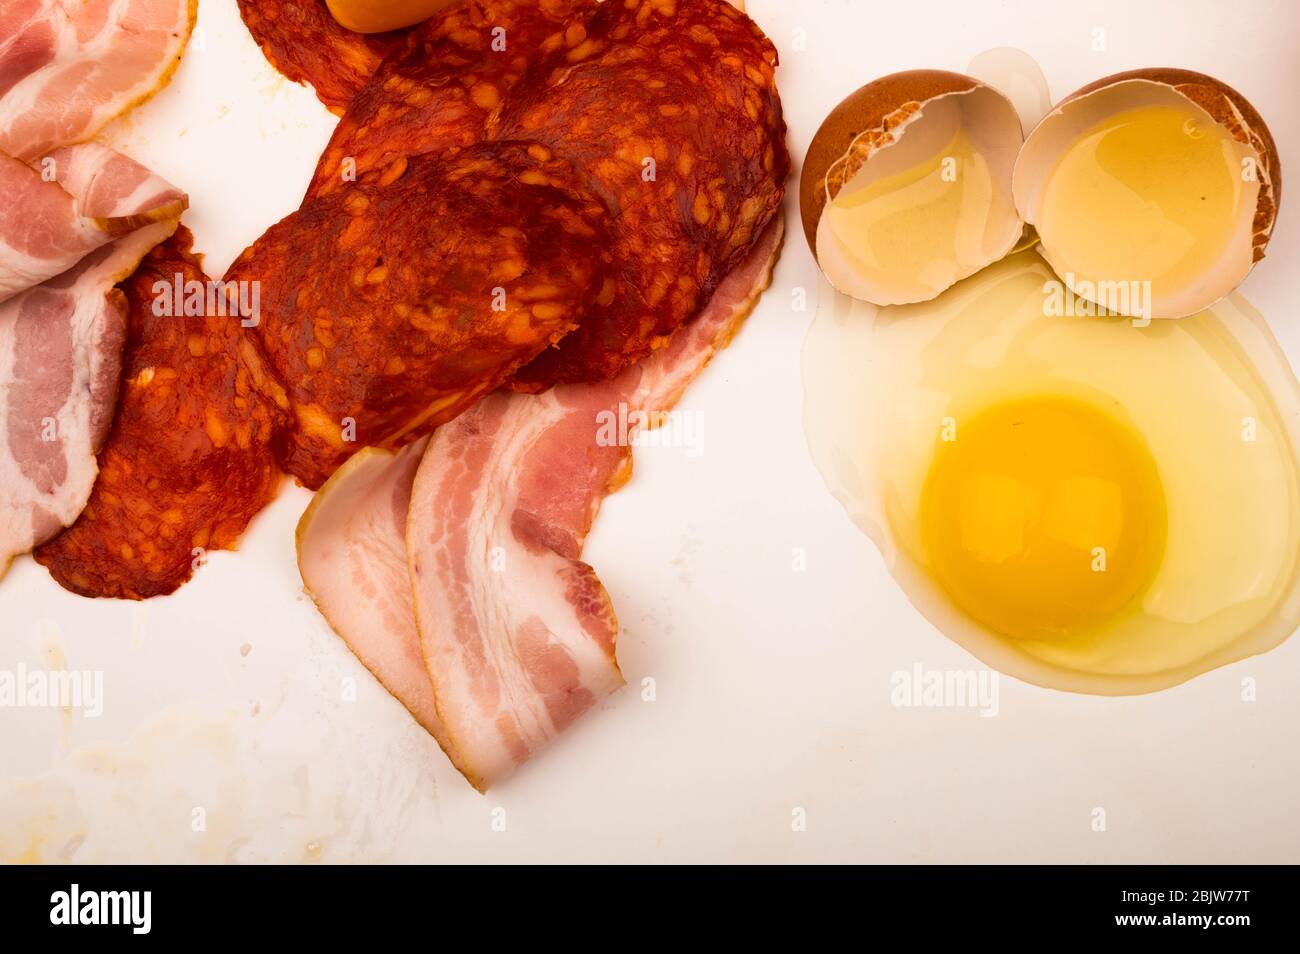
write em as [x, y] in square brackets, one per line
[224, 703]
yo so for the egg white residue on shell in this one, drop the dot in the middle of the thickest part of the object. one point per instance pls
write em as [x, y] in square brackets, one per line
[1179, 280]
[1212, 395]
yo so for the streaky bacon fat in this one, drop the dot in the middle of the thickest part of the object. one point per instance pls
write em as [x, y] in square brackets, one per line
[352, 557]
[518, 634]
[515, 636]
[68, 69]
[69, 204]
[60, 353]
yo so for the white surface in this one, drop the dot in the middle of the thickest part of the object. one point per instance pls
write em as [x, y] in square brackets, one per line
[772, 684]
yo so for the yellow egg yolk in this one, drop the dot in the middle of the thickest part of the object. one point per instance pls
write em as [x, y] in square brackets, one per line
[1043, 516]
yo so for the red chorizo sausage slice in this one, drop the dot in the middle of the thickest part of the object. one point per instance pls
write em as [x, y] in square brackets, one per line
[188, 461]
[670, 107]
[303, 41]
[391, 307]
[439, 84]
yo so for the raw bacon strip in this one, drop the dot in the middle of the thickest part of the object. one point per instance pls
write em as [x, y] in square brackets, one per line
[28, 43]
[352, 539]
[188, 462]
[671, 108]
[518, 634]
[391, 307]
[114, 190]
[304, 42]
[439, 84]
[60, 351]
[68, 69]
[352, 556]
[80, 197]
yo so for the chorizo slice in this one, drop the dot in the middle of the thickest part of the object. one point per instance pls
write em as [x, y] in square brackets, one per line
[306, 44]
[670, 107]
[439, 84]
[388, 309]
[188, 461]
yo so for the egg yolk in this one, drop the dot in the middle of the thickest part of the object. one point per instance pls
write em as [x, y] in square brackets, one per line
[1043, 517]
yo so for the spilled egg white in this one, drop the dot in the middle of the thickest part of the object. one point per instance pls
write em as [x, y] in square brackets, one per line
[1212, 398]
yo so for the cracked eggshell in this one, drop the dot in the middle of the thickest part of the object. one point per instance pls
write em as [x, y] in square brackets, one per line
[888, 124]
[1218, 103]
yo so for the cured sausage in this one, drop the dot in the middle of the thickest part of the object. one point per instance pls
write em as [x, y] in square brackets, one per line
[188, 461]
[671, 109]
[440, 83]
[666, 109]
[303, 41]
[391, 307]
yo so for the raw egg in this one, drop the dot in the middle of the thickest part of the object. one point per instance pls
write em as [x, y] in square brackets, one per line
[906, 187]
[1088, 503]
[1153, 192]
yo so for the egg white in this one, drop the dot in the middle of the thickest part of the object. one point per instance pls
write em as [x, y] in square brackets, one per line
[1212, 395]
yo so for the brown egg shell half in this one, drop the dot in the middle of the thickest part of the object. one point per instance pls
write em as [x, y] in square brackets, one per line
[1220, 104]
[877, 118]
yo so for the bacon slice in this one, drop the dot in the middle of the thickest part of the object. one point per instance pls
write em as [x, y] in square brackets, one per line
[352, 556]
[188, 462]
[60, 351]
[79, 198]
[518, 633]
[515, 636]
[113, 189]
[68, 69]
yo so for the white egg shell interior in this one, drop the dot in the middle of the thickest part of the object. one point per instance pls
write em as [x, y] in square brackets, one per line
[1213, 396]
[988, 226]
[1017, 76]
[1064, 126]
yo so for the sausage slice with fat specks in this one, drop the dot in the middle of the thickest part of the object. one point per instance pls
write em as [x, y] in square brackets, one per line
[388, 309]
[188, 462]
[670, 108]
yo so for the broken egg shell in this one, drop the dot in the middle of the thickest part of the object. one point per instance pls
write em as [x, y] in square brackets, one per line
[1218, 103]
[875, 119]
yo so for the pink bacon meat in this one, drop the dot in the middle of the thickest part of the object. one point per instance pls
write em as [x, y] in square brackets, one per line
[498, 636]
[352, 556]
[74, 201]
[68, 68]
[60, 354]
[77, 218]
